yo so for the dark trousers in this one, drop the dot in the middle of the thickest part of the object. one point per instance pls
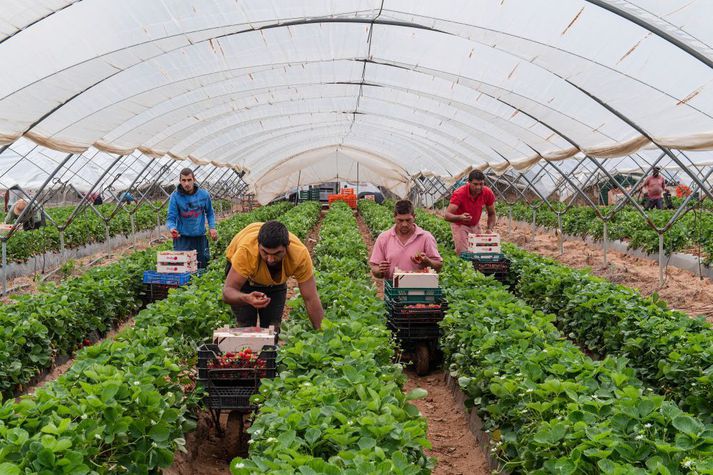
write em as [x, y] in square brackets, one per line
[247, 315]
[199, 243]
[652, 203]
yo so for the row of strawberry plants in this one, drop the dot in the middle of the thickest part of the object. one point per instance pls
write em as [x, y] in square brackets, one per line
[86, 228]
[36, 328]
[337, 406]
[668, 349]
[691, 230]
[549, 408]
[123, 405]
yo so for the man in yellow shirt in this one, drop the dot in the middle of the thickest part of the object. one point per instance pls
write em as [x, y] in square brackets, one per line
[261, 258]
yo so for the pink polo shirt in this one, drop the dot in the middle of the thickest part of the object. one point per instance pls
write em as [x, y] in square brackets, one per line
[388, 247]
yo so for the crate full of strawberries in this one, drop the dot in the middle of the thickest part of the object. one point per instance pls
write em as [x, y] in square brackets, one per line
[236, 368]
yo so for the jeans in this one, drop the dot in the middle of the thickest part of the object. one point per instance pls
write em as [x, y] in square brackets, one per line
[197, 243]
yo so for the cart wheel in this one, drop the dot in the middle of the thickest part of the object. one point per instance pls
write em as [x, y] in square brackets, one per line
[422, 359]
[234, 434]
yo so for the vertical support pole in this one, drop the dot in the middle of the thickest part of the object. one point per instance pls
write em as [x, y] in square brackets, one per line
[605, 243]
[4, 266]
[133, 227]
[106, 232]
[509, 220]
[661, 280]
[534, 225]
[61, 243]
[357, 187]
[560, 234]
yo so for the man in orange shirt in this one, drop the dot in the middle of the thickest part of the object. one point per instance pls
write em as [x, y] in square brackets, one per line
[261, 258]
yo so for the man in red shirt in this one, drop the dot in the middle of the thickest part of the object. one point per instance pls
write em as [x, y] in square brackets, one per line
[465, 208]
[655, 186]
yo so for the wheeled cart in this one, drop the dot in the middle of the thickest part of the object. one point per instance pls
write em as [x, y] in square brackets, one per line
[230, 389]
[413, 317]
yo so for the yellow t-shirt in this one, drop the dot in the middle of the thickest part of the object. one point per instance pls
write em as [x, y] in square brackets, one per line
[245, 258]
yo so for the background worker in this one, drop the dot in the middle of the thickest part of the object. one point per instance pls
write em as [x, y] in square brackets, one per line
[188, 209]
[405, 245]
[28, 220]
[261, 258]
[655, 186]
[465, 208]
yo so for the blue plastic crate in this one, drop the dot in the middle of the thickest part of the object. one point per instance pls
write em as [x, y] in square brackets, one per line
[153, 277]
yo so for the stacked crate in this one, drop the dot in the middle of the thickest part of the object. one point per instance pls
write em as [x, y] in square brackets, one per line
[485, 252]
[349, 199]
[485, 243]
[415, 305]
[173, 269]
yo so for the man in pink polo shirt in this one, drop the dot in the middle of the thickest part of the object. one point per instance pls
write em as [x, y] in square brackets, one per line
[405, 246]
[465, 208]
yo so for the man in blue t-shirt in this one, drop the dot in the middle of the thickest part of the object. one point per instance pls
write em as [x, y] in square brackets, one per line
[188, 209]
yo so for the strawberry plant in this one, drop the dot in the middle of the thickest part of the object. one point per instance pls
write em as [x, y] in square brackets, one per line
[668, 349]
[121, 408]
[547, 407]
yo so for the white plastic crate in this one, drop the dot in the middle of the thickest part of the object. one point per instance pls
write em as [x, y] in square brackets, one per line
[177, 268]
[484, 243]
[236, 339]
[166, 257]
[415, 280]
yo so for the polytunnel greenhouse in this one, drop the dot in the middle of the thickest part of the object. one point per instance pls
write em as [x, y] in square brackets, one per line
[356, 237]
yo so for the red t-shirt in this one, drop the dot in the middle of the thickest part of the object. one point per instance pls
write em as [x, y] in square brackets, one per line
[466, 204]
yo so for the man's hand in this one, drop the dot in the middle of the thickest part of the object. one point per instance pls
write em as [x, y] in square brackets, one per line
[421, 259]
[466, 217]
[257, 299]
[384, 267]
[213, 234]
[175, 234]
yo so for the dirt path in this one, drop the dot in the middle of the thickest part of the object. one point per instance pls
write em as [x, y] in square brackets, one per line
[453, 444]
[206, 451]
[682, 290]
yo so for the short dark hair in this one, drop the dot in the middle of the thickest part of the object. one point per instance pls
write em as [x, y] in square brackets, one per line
[403, 207]
[273, 234]
[476, 175]
[186, 172]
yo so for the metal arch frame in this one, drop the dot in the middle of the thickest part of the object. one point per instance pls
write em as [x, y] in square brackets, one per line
[233, 120]
[468, 107]
[319, 20]
[403, 138]
[286, 24]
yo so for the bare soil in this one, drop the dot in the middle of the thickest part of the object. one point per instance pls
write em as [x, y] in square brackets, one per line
[453, 444]
[682, 290]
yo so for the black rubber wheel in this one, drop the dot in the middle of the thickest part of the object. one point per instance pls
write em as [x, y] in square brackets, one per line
[234, 436]
[422, 359]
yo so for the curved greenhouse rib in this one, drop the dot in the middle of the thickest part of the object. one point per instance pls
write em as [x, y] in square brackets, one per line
[678, 43]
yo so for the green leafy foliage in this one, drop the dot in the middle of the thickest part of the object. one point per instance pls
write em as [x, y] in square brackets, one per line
[85, 228]
[337, 406]
[694, 228]
[123, 406]
[547, 406]
[37, 327]
[668, 349]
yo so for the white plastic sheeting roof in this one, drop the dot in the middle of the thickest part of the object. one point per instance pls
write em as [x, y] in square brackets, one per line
[400, 86]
